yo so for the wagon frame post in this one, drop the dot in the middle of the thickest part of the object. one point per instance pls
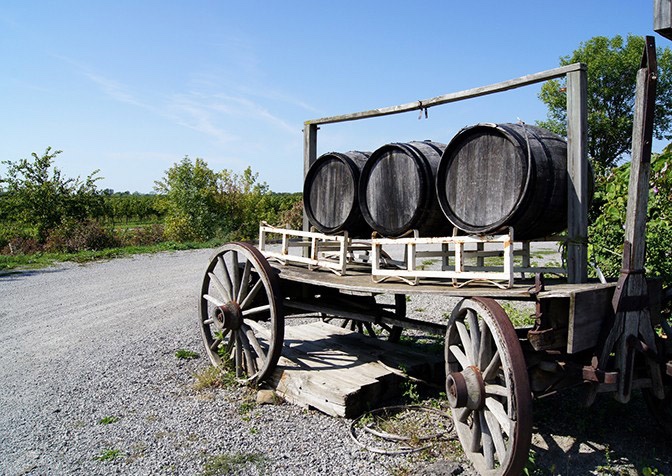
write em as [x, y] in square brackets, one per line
[577, 169]
[632, 329]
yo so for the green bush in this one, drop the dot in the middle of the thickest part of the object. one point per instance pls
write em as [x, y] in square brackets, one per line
[188, 200]
[606, 232]
[75, 236]
[38, 196]
[147, 235]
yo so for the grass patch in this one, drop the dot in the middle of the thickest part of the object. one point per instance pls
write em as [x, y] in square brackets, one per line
[519, 317]
[186, 354]
[214, 377]
[234, 463]
[106, 420]
[44, 259]
[109, 454]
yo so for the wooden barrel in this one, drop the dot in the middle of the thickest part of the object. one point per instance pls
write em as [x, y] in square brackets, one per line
[493, 176]
[396, 189]
[330, 193]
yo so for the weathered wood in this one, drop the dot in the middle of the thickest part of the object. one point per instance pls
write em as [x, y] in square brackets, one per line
[494, 176]
[330, 193]
[588, 311]
[662, 18]
[358, 281]
[640, 166]
[577, 171]
[309, 156]
[397, 192]
[344, 373]
[409, 271]
[632, 322]
[452, 97]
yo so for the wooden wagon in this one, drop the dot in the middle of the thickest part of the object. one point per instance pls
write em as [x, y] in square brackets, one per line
[607, 336]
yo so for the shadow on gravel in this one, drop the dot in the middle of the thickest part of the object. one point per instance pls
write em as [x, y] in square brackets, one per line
[607, 438]
[14, 275]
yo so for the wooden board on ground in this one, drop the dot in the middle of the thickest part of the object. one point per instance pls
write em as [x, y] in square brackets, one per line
[344, 373]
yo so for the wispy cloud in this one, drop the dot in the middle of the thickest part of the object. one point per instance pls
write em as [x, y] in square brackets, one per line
[192, 112]
[113, 88]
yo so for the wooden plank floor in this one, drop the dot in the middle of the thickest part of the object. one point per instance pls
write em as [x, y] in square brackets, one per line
[344, 373]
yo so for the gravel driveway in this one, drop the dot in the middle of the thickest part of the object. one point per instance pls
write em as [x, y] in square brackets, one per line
[90, 384]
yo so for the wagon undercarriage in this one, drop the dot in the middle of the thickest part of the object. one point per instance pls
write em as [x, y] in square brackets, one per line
[605, 337]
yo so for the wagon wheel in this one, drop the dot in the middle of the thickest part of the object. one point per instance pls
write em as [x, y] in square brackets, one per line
[488, 387]
[240, 312]
[378, 330]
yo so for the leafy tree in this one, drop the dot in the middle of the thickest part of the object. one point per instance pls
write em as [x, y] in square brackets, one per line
[189, 190]
[612, 69]
[606, 233]
[38, 196]
[242, 202]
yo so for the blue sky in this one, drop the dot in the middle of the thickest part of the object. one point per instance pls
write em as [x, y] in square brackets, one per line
[131, 87]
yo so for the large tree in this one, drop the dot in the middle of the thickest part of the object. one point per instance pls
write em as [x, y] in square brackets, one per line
[612, 70]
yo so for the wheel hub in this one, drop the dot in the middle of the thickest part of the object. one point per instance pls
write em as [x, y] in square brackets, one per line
[466, 389]
[230, 315]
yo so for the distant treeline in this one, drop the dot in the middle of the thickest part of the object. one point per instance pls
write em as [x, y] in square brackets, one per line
[41, 210]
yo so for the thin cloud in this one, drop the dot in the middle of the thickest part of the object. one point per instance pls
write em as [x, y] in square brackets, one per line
[114, 89]
[197, 116]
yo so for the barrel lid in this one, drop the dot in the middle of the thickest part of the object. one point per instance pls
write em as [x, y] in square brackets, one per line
[330, 191]
[483, 177]
[394, 187]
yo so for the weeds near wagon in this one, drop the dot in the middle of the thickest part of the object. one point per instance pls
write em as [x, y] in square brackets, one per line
[186, 354]
[234, 463]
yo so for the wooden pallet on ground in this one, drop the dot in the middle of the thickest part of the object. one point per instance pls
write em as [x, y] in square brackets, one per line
[344, 373]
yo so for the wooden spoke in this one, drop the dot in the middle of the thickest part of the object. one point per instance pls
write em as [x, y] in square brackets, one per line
[213, 300]
[493, 367]
[252, 294]
[225, 293]
[254, 342]
[496, 390]
[235, 273]
[498, 410]
[238, 352]
[488, 444]
[488, 387]
[376, 330]
[256, 310]
[465, 338]
[497, 437]
[215, 345]
[459, 355]
[248, 328]
[225, 272]
[244, 282]
[250, 362]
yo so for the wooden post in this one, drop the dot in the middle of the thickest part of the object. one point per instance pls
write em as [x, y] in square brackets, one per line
[632, 322]
[577, 170]
[640, 165]
[309, 156]
[662, 18]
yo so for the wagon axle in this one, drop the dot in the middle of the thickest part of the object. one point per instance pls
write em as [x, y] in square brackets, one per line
[466, 389]
[230, 315]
